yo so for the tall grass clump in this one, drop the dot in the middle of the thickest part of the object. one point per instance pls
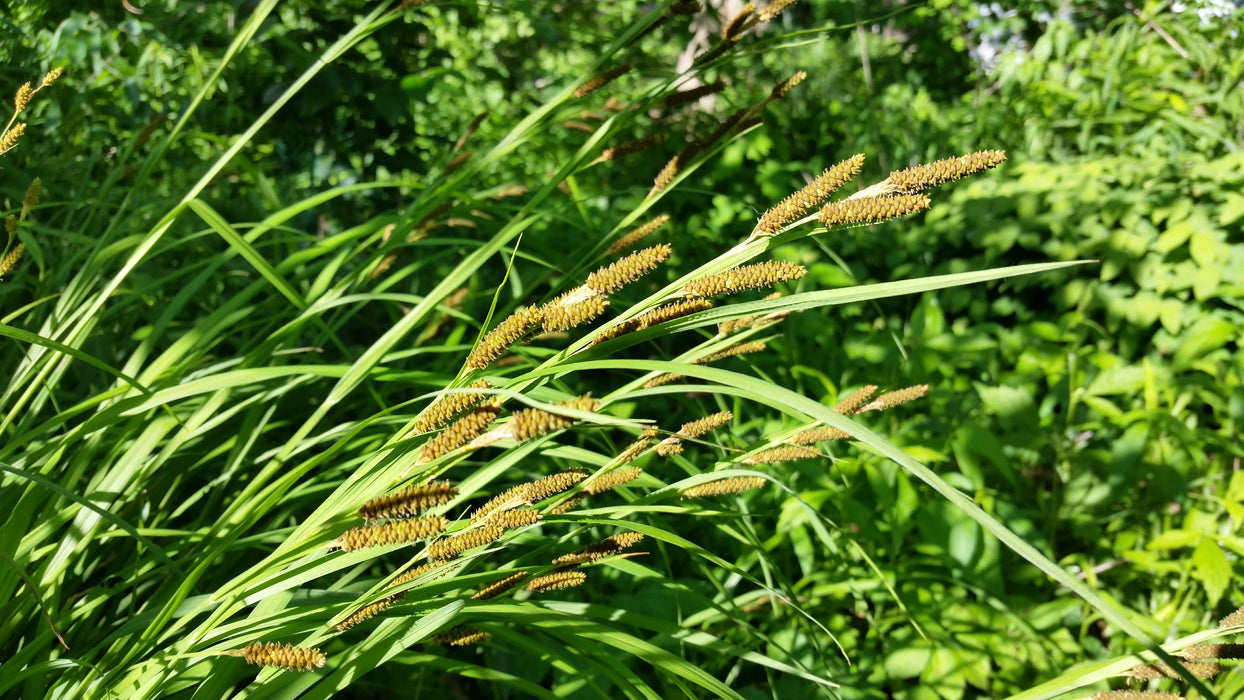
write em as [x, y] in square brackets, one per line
[494, 417]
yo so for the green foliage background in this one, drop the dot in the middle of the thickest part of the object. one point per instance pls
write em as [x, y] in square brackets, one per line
[1096, 411]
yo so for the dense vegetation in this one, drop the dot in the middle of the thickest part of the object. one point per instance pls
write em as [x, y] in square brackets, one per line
[266, 237]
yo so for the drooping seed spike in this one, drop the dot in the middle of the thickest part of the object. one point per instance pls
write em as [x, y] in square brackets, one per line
[783, 454]
[414, 573]
[396, 532]
[460, 432]
[367, 612]
[448, 406]
[286, 656]
[500, 586]
[51, 77]
[499, 339]
[22, 97]
[408, 502]
[800, 203]
[724, 486]
[9, 139]
[762, 274]
[611, 480]
[783, 88]
[454, 545]
[921, 177]
[740, 349]
[31, 198]
[459, 637]
[871, 210]
[670, 446]
[1133, 695]
[556, 580]
[599, 81]
[10, 260]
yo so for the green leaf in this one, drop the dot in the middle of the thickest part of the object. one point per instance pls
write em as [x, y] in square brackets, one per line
[1212, 569]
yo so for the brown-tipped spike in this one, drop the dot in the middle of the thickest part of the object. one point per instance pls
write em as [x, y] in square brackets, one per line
[459, 433]
[533, 422]
[459, 637]
[451, 547]
[895, 398]
[601, 80]
[629, 148]
[449, 405]
[783, 454]
[617, 275]
[773, 9]
[738, 24]
[611, 480]
[606, 547]
[851, 402]
[692, 94]
[651, 318]
[398, 532]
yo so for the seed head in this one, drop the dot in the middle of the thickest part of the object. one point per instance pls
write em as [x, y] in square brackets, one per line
[576, 125]
[367, 612]
[653, 317]
[606, 547]
[286, 656]
[499, 586]
[459, 637]
[783, 454]
[401, 531]
[611, 480]
[567, 505]
[634, 449]
[636, 235]
[9, 261]
[814, 435]
[1235, 619]
[1133, 695]
[739, 279]
[502, 337]
[773, 9]
[564, 313]
[512, 497]
[852, 402]
[51, 77]
[533, 422]
[452, 546]
[9, 139]
[1149, 672]
[602, 80]
[613, 277]
[22, 98]
[554, 483]
[1198, 652]
[781, 89]
[724, 486]
[869, 210]
[895, 398]
[695, 93]
[408, 503]
[698, 427]
[663, 178]
[739, 349]
[800, 203]
[414, 573]
[448, 406]
[460, 432]
[623, 150]
[555, 580]
[739, 24]
[921, 177]
[31, 198]
[511, 519]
